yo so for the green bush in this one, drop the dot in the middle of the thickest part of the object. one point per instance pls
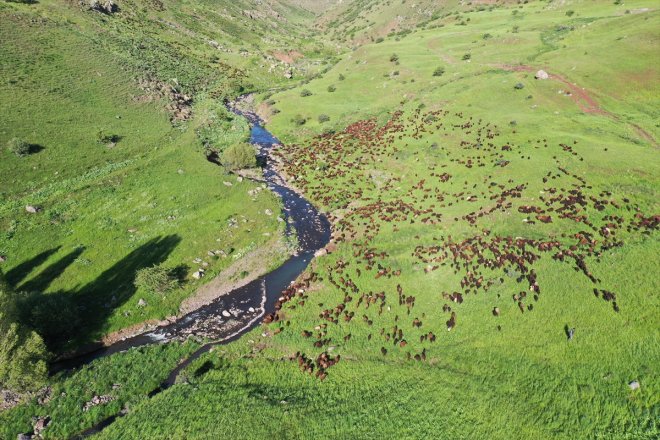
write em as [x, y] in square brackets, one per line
[299, 120]
[23, 354]
[394, 58]
[519, 86]
[19, 147]
[341, 77]
[439, 71]
[332, 89]
[156, 279]
[323, 118]
[239, 156]
[304, 93]
[467, 56]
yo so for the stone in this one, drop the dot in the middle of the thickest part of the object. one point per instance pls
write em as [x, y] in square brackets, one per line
[199, 274]
[40, 424]
[541, 74]
[634, 385]
[142, 303]
[23, 437]
[226, 314]
[32, 209]
[268, 212]
[3, 258]
[227, 183]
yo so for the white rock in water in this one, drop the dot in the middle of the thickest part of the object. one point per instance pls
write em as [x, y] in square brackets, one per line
[226, 314]
[541, 74]
[251, 310]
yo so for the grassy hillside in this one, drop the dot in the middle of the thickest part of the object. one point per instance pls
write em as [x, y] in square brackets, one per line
[491, 273]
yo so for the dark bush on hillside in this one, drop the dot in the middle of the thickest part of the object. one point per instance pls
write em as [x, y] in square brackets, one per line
[519, 86]
[156, 279]
[299, 120]
[19, 147]
[439, 71]
[239, 156]
[394, 58]
[27, 2]
[304, 93]
[332, 89]
[104, 138]
[23, 354]
[466, 57]
[323, 118]
[570, 13]
[380, 40]
[341, 77]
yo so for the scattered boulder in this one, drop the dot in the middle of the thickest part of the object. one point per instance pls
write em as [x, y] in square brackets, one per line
[541, 74]
[105, 6]
[96, 401]
[3, 258]
[226, 314]
[634, 385]
[24, 437]
[268, 212]
[199, 274]
[142, 303]
[40, 423]
[33, 209]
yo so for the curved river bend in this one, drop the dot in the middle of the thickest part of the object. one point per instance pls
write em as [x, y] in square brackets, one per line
[230, 316]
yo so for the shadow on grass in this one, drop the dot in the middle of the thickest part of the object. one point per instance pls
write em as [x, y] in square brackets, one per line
[18, 274]
[68, 319]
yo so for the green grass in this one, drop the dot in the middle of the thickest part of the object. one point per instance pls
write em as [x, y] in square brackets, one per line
[127, 377]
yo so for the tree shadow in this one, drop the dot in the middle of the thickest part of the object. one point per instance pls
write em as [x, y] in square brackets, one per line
[68, 319]
[42, 281]
[18, 274]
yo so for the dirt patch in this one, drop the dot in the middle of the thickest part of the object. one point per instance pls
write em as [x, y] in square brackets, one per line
[289, 57]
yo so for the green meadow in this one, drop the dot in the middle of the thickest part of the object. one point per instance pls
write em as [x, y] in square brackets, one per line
[445, 167]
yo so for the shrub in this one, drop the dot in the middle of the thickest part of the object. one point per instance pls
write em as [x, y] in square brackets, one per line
[239, 156]
[23, 354]
[19, 147]
[304, 93]
[104, 138]
[380, 40]
[299, 120]
[394, 58]
[331, 89]
[570, 13]
[156, 279]
[519, 86]
[323, 118]
[486, 36]
[341, 77]
[467, 56]
[439, 71]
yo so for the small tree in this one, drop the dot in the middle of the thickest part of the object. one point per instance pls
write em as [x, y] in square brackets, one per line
[439, 71]
[19, 147]
[239, 156]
